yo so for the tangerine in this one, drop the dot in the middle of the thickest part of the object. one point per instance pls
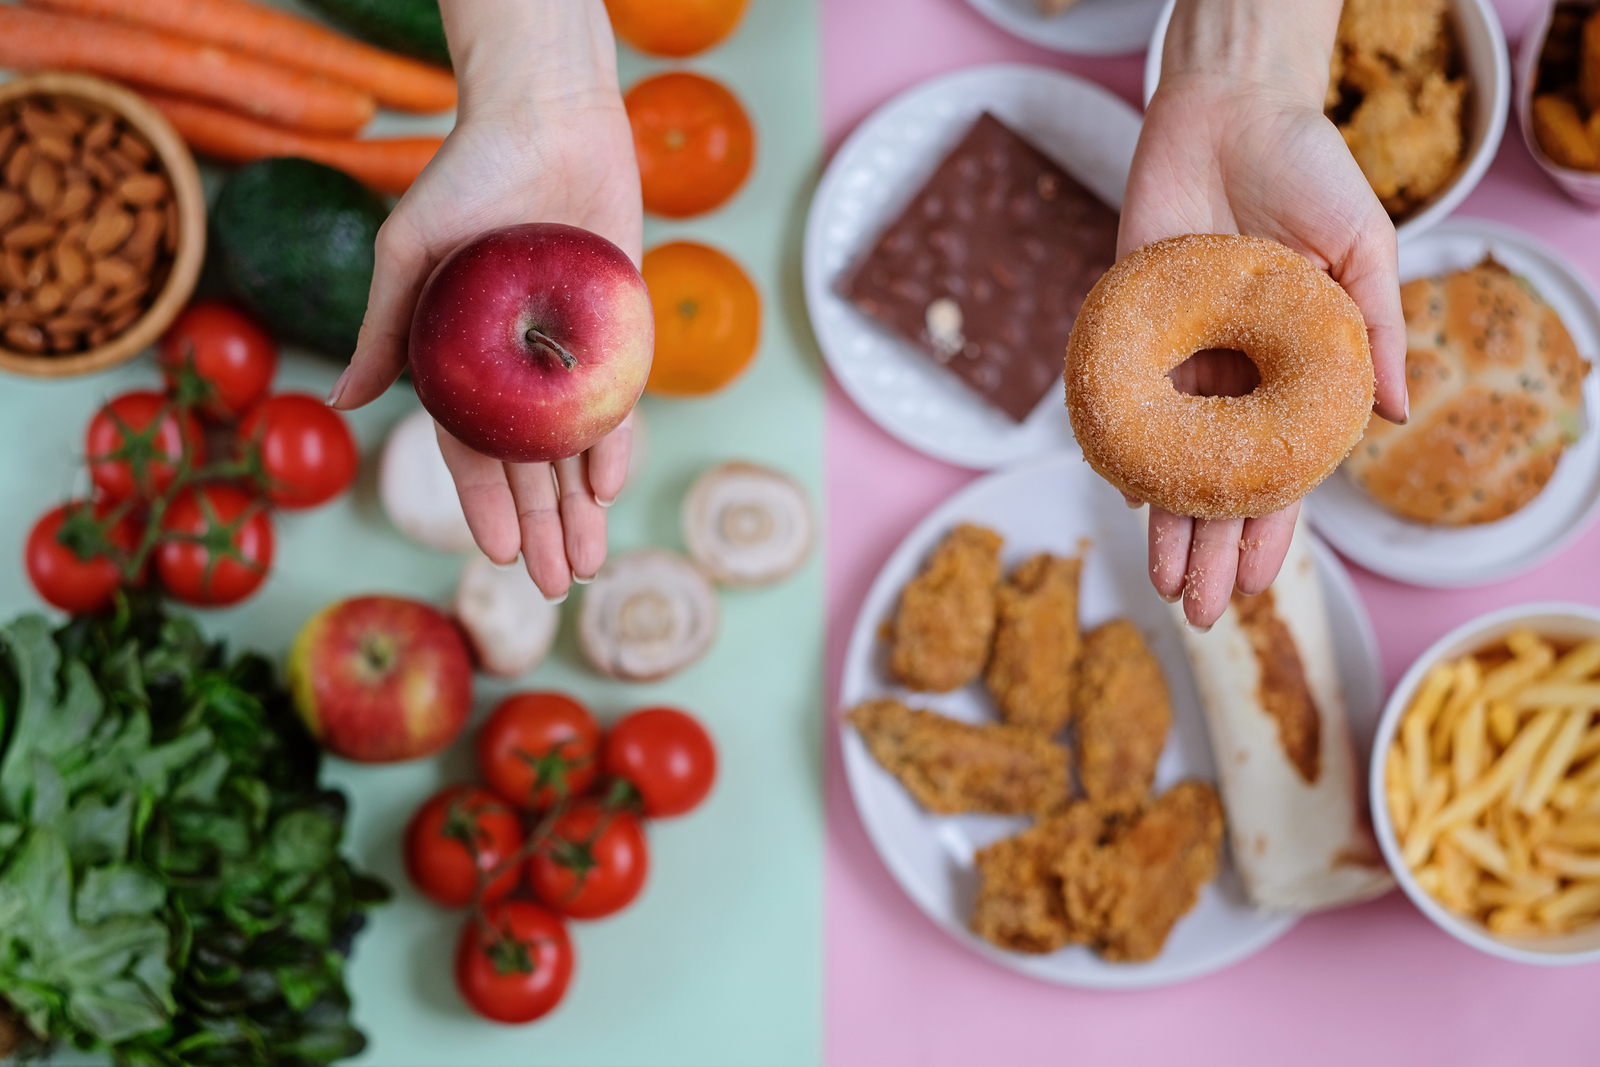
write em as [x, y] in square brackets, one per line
[674, 27]
[708, 318]
[694, 143]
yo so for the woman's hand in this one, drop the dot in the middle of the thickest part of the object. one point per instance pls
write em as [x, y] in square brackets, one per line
[1235, 141]
[540, 136]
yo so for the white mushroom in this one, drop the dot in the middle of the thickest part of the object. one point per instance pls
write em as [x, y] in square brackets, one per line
[416, 489]
[509, 622]
[648, 614]
[747, 525]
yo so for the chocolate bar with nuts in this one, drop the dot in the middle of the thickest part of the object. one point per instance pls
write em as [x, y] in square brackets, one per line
[985, 269]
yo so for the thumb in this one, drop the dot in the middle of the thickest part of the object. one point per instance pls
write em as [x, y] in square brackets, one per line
[401, 266]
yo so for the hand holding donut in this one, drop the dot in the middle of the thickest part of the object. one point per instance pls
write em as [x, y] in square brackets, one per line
[1235, 141]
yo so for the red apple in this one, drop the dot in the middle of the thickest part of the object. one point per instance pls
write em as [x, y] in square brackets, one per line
[530, 343]
[379, 679]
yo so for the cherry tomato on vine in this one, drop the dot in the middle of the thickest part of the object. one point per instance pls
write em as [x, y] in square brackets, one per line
[514, 961]
[135, 443]
[232, 358]
[666, 755]
[226, 548]
[455, 839]
[594, 863]
[60, 575]
[307, 454]
[538, 747]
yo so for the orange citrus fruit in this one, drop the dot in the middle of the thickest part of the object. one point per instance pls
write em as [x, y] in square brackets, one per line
[674, 27]
[694, 143]
[708, 319]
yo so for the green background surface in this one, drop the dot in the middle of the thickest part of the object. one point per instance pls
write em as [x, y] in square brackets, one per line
[720, 960]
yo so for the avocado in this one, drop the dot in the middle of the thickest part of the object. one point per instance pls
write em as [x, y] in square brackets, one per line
[295, 243]
[412, 27]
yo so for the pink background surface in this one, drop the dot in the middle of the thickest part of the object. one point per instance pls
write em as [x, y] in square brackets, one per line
[1373, 984]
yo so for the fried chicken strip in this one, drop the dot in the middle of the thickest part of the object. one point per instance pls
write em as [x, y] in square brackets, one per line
[1035, 643]
[945, 622]
[1021, 904]
[1123, 714]
[950, 766]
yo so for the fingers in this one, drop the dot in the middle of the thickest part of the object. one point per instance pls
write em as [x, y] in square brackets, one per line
[583, 520]
[1213, 565]
[486, 499]
[544, 549]
[1370, 273]
[1169, 551]
[1262, 548]
[399, 271]
[608, 463]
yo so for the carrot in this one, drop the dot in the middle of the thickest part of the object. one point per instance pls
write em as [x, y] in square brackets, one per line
[388, 165]
[35, 40]
[272, 34]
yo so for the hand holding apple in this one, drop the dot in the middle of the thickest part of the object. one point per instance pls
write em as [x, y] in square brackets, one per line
[379, 679]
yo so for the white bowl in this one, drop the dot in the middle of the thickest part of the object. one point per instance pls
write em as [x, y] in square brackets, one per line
[1488, 64]
[1570, 621]
[1582, 185]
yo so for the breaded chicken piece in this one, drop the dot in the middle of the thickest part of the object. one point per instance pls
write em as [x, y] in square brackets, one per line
[1120, 699]
[1021, 904]
[1035, 643]
[945, 622]
[1407, 147]
[1402, 30]
[1132, 889]
[950, 766]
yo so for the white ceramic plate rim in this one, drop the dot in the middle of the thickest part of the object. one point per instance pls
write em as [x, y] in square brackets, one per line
[1472, 633]
[858, 682]
[989, 440]
[1354, 524]
[1092, 28]
[1476, 167]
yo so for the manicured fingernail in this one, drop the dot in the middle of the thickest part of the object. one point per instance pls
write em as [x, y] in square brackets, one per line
[338, 388]
[506, 566]
[606, 503]
[1192, 628]
[582, 581]
[1405, 414]
[1170, 599]
[562, 599]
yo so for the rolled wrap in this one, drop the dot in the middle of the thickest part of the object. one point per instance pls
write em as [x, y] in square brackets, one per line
[1275, 710]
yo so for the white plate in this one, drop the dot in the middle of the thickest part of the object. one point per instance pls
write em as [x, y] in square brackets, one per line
[1456, 557]
[1091, 27]
[1053, 505]
[877, 170]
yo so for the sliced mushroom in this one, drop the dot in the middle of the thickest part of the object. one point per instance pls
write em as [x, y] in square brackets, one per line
[416, 489]
[509, 622]
[747, 525]
[648, 614]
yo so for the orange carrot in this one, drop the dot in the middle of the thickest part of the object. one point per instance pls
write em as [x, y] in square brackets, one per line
[388, 165]
[276, 35]
[35, 40]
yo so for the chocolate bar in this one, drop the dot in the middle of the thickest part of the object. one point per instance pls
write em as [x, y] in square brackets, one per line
[986, 268]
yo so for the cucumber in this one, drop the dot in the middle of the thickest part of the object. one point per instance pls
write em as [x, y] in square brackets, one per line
[295, 243]
[412, 27]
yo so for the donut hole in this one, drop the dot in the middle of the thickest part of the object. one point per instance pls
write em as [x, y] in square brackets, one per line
[1216, 372]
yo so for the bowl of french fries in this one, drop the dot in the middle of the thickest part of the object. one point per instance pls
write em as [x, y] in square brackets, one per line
[1486, 783]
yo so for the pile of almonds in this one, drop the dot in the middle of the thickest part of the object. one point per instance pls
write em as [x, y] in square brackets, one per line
[88, 225]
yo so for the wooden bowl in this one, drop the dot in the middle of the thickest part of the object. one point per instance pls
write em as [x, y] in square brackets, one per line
[184, 180]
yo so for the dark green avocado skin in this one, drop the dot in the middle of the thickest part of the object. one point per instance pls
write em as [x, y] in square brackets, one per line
[295, 243]
[411, 27]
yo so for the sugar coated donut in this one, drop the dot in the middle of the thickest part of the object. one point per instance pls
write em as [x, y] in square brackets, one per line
[1218, 457]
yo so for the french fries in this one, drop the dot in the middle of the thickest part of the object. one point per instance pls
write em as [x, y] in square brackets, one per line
[1493, 785]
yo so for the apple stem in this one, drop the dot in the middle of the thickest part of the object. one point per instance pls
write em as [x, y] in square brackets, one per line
[538, 338]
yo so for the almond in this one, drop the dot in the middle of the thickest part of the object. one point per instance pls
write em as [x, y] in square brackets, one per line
[100, 171]
[107, 230]
[11, 206]
[25, 337]
[65, 341]
[57, 148]
[133, 296]
[41, 123]
[123, 319]
[142, 189]
[77, 197]
[133, 147]
[72, 116]
[8, 137]
[98, 336]
[118, 164]
[18, 166]
[14, 269]
[87, 301]
[48, 298]
[39, 268]
[115, 273]
[71, 267]
[100, 134]
[31, 235]
[69, 321]
[44, 183]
